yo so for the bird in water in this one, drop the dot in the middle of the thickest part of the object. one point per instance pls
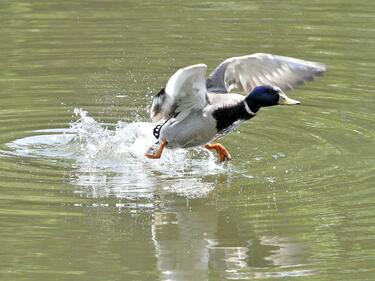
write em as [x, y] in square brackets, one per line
[194, 111]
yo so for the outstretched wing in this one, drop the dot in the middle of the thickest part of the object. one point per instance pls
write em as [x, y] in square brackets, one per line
[185, 91]
[247, 72]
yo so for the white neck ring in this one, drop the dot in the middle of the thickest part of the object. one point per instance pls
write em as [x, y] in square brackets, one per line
[248, 110]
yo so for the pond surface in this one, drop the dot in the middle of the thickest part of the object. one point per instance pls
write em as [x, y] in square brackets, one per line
[78, 201]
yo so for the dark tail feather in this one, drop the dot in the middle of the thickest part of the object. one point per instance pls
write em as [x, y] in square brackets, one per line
[156, 105]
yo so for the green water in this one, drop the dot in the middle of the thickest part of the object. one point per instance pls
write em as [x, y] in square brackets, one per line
[296, 202]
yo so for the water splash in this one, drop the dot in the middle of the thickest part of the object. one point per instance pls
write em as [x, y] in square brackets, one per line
[121, 151]
[96, 141]
[108, 160]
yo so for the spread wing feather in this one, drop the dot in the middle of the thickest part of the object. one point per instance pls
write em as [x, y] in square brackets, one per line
[247, 72]
[185, 91]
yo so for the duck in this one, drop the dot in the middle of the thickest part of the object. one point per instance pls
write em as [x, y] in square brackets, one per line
[192, 111]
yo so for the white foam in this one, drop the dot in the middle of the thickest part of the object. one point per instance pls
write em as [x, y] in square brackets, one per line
[108, 160]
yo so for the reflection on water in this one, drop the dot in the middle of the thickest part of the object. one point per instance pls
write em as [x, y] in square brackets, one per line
[186, 239]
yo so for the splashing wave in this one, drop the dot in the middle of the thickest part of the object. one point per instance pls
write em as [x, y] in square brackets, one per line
[108, 160]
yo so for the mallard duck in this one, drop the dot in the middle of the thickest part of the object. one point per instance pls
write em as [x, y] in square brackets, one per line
[194, 111]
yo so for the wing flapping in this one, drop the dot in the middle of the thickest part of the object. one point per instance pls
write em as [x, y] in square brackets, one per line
[247, 72]
[185, 90]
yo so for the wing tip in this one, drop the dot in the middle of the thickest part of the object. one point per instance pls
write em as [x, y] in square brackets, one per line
[191, 70]
[321, 69]
[194, 67]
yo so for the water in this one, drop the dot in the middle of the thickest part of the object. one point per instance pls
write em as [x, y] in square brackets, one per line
[78, 201]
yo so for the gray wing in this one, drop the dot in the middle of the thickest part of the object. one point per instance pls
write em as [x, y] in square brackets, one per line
[247, 72]
[185, 91]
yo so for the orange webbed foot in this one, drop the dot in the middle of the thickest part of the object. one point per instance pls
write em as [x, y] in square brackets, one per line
[223, 153]
[155, 153]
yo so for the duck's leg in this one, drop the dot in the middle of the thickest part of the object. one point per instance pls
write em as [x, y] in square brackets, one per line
[152, 154]
[223, 153]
